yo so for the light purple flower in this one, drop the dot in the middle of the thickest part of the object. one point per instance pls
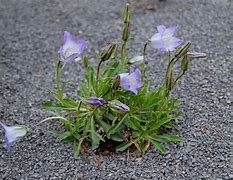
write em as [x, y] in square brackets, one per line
[131, 81]
[165, 40]
[95, 101]
[13, 134]
[71, 47]
[119, 106]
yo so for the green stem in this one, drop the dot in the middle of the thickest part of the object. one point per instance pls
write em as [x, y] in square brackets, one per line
[178, 77]
[144, 60]
[58, 72]
[98, 71]
[123, 54]
[168, 69]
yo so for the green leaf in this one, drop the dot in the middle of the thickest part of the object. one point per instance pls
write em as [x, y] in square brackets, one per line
[95, 137]
[172, 138]
[134, 123]
[158, 146]
[103, 124]
[69, 103]
[85, 89]
[124, 146]
[169, 125]
[48, 105]
[63, 136]
[161, 122]
[116, 137]
[90, 77]
[116, 67]
[115, 128]
[77, 147]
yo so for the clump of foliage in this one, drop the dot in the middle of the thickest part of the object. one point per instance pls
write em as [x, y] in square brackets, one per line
[115, 101]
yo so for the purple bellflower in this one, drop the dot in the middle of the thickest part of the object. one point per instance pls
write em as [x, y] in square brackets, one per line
[165, 40]
[119, 106]
[13, 134]
[71, 47]
[131, 81]
[95, 101]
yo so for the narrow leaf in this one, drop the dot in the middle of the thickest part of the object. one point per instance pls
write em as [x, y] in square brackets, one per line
[124, 146]
[158, 146]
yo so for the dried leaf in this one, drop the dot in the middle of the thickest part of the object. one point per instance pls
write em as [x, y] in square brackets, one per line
[97, 161]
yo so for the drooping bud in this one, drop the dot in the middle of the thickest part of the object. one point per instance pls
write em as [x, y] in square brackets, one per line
[85, 61]
[126, 32]
[116, 83]
[126, 14]
[119, 106]
[196, 55]
[185, 63]
[108, 52]
[182, 50]
[95, 101]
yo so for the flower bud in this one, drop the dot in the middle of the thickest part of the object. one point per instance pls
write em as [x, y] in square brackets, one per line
[119, 106]
[108, 52]
[85, 61]
[185, 63]
[126, 14]
[126, 32]
[196, 55]
[183, 50]
[116, 82]
[95, 101]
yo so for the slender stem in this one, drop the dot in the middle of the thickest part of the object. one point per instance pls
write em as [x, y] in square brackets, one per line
[168, 69]
[51, 118]
[58, 72]
[78, 112]
[144, 60]
[98, 71]
[123, 54]
[178, 77]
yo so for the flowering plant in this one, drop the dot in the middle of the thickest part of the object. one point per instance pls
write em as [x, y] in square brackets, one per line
[115, 101]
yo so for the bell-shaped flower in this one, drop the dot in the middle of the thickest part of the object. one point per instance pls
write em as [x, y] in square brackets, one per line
[165, 39]
[71, 47]
[119, 106]
[131, 81]
[95, 101]
[13, 134]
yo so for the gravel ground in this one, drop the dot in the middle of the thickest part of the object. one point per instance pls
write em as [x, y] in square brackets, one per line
[30, 33]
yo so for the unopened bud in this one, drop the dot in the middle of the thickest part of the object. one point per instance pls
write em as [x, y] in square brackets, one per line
[183, 50]
[118, 106]
[185, 63]
[126, 32]
[196, 55]
[116, 82]
[126, 14]
[108, 52]
[85, 61]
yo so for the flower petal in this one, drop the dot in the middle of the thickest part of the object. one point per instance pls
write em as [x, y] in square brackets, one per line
[170, 31]
[161, 29]
[71, 47]
[13, 134]
[165, 40]
[131, 81]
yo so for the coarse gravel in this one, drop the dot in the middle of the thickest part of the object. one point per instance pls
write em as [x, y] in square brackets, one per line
[30, 34]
